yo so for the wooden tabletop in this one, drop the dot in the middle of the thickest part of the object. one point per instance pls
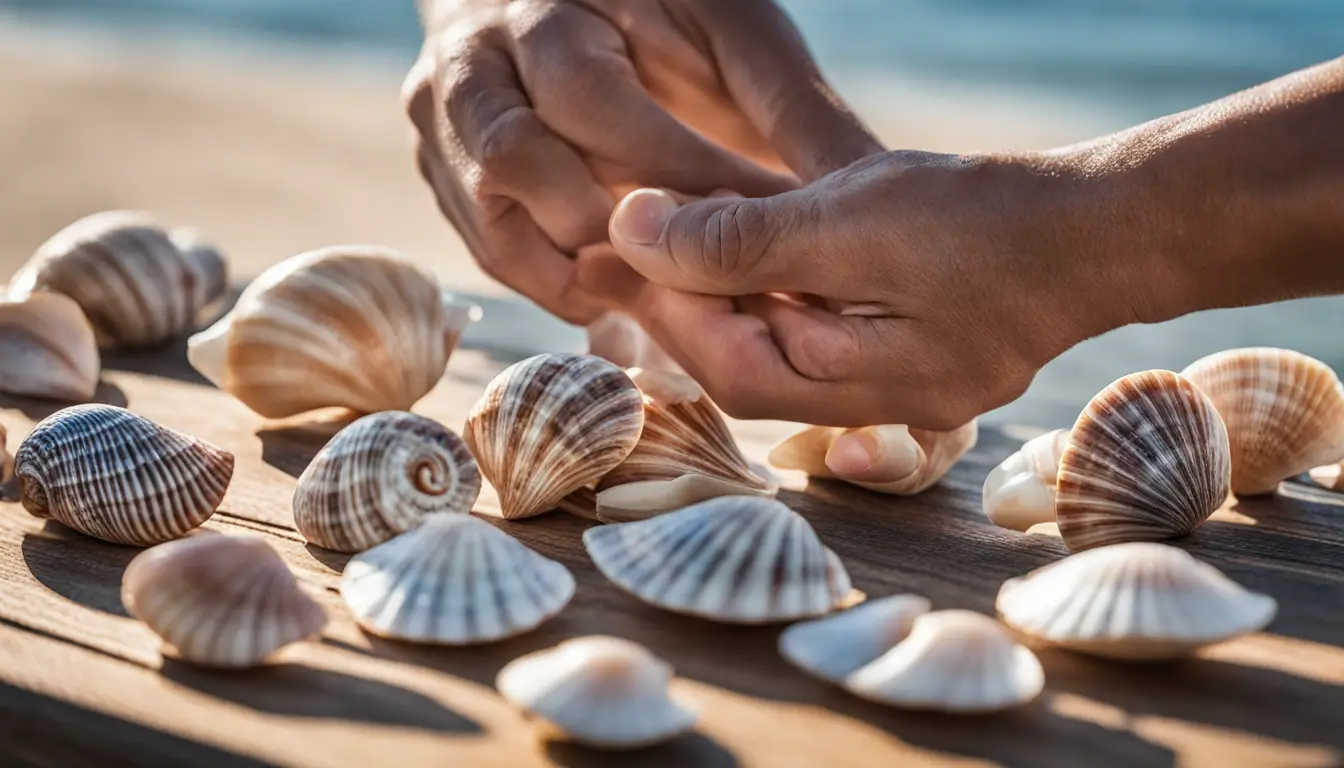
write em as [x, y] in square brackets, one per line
[83, 684]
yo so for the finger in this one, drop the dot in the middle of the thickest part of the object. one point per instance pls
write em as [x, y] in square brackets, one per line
[818, 344]
[518, 254]
[880, 454]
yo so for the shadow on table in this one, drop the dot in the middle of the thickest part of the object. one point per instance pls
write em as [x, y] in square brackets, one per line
[336, 561]
[77, 567]
[291, 446]
[168, 360]
[38, 409]
[691, 749]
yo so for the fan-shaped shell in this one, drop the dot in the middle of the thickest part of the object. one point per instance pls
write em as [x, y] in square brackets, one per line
[1020, 492]
[953, 661]
[47, 348]
[220, 601]
[1147, 460]
[1135, 601]
[600, 691]
[739, 559]
[380, 477]
[119, 477]
[937, 452]
[834, 647]
[138, 283]
[550, 425]
[1330, 476]
[1284, 413]
[455, 580]
[357, 327]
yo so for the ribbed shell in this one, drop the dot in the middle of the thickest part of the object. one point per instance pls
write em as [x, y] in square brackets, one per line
[953, 661]
[1020, 492]
[119, 477]
[357, 327]
[380, 477]
[1136, 601]
[601, 691]
[1284, 413]
[47, 348]
[834, 647]
[220, 601]
[1147, 460]
[455, 580]
[550, 425]
[938, 451]
[738, 559]
[138, 283]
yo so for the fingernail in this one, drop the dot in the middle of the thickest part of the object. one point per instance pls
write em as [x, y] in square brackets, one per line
[642, 216]
[851, 455]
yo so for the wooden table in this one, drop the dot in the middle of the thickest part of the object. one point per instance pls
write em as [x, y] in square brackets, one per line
[82, 684]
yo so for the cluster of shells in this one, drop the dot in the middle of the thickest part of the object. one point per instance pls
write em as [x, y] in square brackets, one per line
[688, 525]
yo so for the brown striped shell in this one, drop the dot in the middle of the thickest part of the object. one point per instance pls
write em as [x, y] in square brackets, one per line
[550, 425]
[380, 477]
[1284, 413]
[220, 601]
[119, 477]
[937, 452]
[1148, 459]
[47, 348]
[138, 283]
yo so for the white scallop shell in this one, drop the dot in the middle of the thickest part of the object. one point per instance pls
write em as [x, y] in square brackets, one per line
[739, 559]
[834, 647]
[47, 348]
[454, 580]
[937, 452]
[1134, 601]
[600, 691]
[1020, 492]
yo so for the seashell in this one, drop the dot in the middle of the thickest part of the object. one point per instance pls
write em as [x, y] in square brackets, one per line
[580, 503]
[220, 601]
[1330, 476]
[834, 647]
[600, 691]
[1020, 492]
[119, 477]
[739, 559]
[1284, 413]
[454, 580]
[380, 477]
[1137, 601]
[138, 283]
[685, 454]
[357, 327]
[936, 452]
[1148, 459]
[619, 338]
[550, 425]
[47, 348]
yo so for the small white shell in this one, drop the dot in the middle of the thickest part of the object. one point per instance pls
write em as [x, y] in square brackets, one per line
[47, 348]
[834, 647]
[953, 661]
[1330, 476]
[455, 580]
[220, 601]
[601, 691]
[937, 452]
[738, 559]
[1020, 492]
[1135, 601]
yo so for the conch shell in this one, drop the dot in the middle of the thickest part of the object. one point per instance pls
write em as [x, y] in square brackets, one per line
[119, 477]
[138, 283]
[835, 647]
[380, 477]
[1020, 492]
[935, 453]
[47, 348]
[1284, 413]
[357, 327]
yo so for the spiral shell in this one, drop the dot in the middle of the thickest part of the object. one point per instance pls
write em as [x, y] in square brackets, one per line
[1020, 492]
[357, 327]
[550, 425]
[220, 601]
[936, 453]
[138, 283]
[834, 647]
[119, 477]
[1148, 459]
[380, 477]
[47, 348]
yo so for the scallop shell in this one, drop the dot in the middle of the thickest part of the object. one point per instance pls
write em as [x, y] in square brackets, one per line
[1284, 413]
[834, 647]
[47, 348]
[580, 503]
[550, 425]
[1138, 601]
[938, 452]
[454, 580]
[1147, 460]
[380, 477]
[357, 327]
[739, 559]
[138, 283]
[684, 455]
[601, 691]
[119, 477]
[1330, 476]
[220, 601]
[1020, 492]
[952, 661]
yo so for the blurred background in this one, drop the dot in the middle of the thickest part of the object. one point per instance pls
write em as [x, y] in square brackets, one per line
[274, 126]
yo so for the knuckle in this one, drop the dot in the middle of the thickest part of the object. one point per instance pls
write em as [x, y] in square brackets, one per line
[505, 139]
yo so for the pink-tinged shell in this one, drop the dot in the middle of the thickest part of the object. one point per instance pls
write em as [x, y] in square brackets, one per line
[47, 348]
[937, 452]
